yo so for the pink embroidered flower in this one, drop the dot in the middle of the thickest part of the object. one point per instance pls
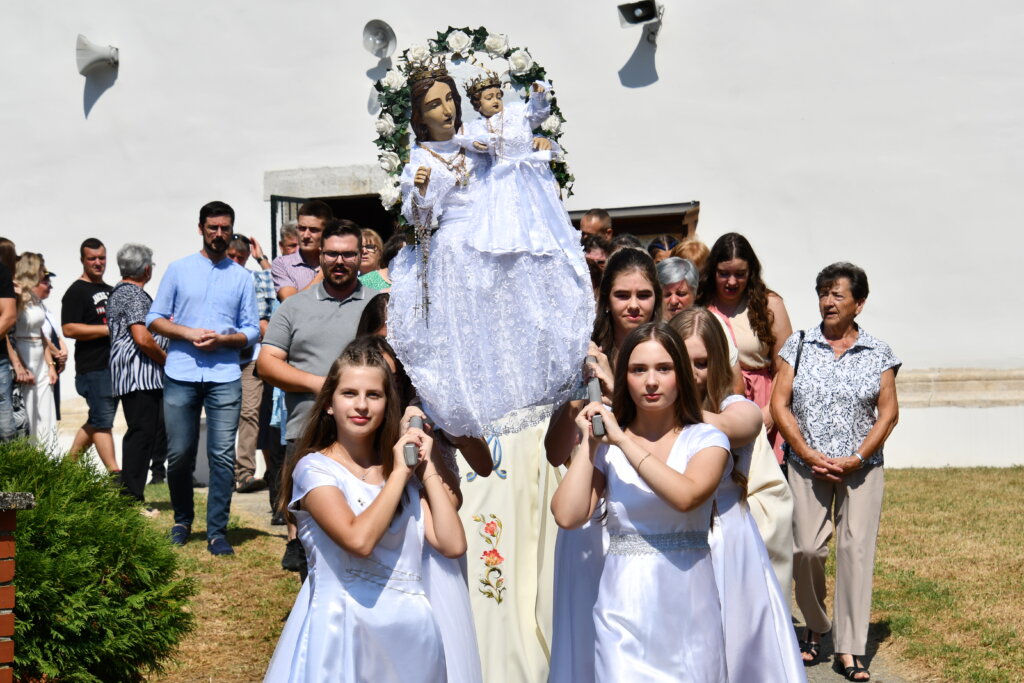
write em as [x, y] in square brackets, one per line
[491, 528]
[492, 558]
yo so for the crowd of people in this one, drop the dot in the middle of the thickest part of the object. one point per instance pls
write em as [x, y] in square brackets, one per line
[732, 449]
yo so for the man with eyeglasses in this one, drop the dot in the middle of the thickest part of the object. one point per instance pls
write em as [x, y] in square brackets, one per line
[206, 307]
[298, 271]
[308, 332]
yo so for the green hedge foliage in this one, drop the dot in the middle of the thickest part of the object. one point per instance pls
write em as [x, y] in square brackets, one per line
[99, 596]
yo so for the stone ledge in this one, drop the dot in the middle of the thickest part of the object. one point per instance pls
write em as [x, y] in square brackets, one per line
[960, 387]
[16, 501]
[329, 181]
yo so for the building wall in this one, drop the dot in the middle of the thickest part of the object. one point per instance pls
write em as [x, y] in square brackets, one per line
[888, 134]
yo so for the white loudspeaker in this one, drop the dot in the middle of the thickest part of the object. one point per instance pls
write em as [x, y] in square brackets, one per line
[379, 39]
[91, 55]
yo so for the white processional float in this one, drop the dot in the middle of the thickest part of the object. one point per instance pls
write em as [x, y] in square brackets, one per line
[491, 307]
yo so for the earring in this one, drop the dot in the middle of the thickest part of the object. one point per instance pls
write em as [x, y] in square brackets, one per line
[330, 411]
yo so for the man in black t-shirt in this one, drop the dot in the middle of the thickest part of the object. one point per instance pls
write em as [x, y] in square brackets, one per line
[83, 317]
[8, 316]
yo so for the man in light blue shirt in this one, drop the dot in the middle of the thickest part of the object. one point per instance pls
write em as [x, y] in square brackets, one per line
[206, 307]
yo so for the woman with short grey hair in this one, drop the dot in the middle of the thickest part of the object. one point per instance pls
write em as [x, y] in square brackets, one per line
[678, 279]
[133, 260]
[136, 367]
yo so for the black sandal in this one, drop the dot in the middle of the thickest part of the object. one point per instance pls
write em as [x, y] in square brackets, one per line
[811, 648]
[850, 673]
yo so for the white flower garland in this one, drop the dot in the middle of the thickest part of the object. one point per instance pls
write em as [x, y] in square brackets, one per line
[394, 95]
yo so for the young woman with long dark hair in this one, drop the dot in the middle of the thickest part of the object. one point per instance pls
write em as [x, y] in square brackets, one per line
[629, 296]
[363, 516]
[657, 614]
[732, 287]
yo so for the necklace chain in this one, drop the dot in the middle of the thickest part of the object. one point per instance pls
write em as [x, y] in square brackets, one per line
[457, 165]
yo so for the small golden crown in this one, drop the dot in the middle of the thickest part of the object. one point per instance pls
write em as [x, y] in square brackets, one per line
[434, 67]
[488, 79]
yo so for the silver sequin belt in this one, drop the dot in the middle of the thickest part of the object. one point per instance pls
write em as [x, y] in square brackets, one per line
[656, 544]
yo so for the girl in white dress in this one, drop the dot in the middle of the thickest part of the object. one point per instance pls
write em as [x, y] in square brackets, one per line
[760, 643]
[657, 616]
[629, 296]
[491, 331]
[362, 519]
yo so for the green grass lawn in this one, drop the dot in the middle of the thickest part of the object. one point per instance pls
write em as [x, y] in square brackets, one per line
[242, 602]
[949, 573]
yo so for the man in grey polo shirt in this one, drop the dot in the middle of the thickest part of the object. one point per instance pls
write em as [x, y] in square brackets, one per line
[310, 329]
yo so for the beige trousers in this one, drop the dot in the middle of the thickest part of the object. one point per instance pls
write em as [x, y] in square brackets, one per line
[856, 504]
[248, 423]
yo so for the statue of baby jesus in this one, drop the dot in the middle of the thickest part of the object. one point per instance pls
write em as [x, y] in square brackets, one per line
[520, 208]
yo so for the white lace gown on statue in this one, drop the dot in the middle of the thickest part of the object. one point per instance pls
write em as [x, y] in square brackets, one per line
[358, 619]
[760, 642]
[657, 616]
[506, 329]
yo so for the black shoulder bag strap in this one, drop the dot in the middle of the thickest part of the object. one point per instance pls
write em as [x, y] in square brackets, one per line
[786, 450]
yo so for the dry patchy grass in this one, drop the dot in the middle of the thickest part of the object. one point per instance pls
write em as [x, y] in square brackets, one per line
[949, 574]
[241, 603]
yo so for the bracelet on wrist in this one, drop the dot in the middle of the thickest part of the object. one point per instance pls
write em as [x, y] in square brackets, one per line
[642, 462]
[859, 457]
[423, 481]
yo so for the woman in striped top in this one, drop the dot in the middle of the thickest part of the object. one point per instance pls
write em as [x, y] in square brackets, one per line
[136, 366]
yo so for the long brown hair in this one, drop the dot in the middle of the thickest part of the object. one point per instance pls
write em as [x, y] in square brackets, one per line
[322, 431]
[623, 261]
[419, 92]
[702, 323]
[687, 407]
[729, 246]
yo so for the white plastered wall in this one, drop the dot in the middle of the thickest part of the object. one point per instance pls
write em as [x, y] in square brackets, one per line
[888, 134]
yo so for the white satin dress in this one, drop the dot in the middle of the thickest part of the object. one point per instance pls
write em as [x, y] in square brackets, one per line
[657, 616]
[39, 406]
[358, 619]
[760, 643]
[579, 561]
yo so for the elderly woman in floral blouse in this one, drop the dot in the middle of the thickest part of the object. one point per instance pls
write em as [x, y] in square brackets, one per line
[834, 401]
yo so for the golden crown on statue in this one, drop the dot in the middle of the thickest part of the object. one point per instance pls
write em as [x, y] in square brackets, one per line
[431, 68]
[477, 85]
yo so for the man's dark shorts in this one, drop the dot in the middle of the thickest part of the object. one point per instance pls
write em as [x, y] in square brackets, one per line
[96, 388]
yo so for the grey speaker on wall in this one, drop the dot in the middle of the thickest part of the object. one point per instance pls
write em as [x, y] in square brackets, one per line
[91, 56]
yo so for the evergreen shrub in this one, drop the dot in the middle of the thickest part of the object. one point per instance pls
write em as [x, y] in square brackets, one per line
[99, 597]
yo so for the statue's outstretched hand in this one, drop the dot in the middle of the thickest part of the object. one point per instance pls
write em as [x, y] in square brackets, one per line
[422, 179]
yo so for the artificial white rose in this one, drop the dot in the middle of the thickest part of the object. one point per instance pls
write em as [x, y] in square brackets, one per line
[458, 41]
[385, 125]
[418, 54]
[496, 44]
[389, 195]
[519, 62]
[394, 80]
[389, 161]
[552, 124]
